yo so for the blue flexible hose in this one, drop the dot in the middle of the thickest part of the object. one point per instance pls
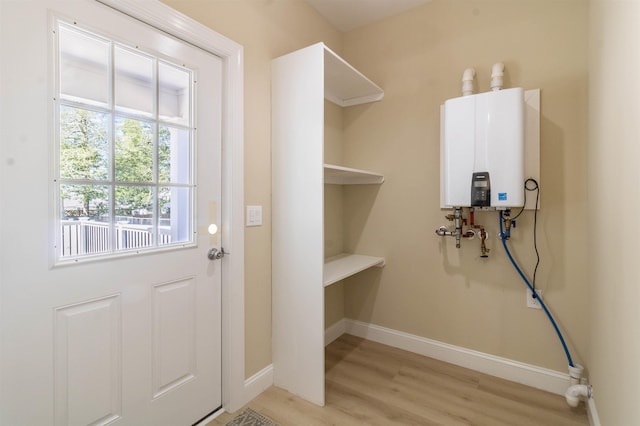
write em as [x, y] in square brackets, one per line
[526, 281]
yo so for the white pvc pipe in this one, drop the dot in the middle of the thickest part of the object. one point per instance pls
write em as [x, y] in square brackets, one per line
[576, 393]
[467, 81]
[575, 374]
[497, 72]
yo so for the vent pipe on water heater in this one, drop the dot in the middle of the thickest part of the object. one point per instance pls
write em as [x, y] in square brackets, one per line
[497, 72]
[467, 81]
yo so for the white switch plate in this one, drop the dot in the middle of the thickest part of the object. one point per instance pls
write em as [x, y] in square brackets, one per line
[254, 216]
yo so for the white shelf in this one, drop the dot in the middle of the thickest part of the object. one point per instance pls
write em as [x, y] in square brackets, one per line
[345, 85]
[301, 84]
[339, 175]
[339, 267]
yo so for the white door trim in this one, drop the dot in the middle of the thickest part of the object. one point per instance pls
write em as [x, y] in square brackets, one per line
[173, 22]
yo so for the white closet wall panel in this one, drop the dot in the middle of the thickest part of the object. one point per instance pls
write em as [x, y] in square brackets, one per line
[297, 267]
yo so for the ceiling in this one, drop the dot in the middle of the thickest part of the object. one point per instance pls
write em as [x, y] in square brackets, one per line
[350, 14]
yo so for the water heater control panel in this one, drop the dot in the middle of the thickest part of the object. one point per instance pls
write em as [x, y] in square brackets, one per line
[480, 190]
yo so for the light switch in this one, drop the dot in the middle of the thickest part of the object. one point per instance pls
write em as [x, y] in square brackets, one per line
[254, 216]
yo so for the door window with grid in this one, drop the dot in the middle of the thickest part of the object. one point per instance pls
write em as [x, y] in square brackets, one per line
[124, 178]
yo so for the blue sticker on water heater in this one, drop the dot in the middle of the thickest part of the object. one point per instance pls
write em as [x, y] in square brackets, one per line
[502, 196]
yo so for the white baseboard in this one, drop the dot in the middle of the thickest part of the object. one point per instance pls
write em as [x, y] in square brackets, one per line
[334, 331]
[258, 383]
[592, 413]
[515, 371]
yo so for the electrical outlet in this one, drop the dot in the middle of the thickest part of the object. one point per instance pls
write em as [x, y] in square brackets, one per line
[533, 302]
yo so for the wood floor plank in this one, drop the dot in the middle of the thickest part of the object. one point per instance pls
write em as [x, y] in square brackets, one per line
[368, 383]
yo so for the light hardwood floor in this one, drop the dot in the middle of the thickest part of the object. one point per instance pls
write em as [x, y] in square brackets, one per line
[368, 383]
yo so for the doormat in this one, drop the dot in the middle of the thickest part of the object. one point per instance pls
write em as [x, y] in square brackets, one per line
[251, 418]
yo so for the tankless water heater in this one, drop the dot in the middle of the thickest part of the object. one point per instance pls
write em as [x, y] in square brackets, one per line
[482, 150]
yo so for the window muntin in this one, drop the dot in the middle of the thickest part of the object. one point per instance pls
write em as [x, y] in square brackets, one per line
[124, 178]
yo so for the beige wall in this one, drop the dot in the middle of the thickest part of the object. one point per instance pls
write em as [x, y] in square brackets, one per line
[267, 29]
[333, 210]
[430, 288]
[614, 175]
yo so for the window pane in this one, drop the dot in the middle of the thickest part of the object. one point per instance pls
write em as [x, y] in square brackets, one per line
[133, 151]
[134, 217]
[85, 219]
[175, 215]
[83, 144]
[84, 71]
[125, 150]
[174, 155]
[175, 94]
[134, 88]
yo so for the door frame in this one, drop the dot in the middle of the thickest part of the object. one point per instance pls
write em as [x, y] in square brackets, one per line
[169, 20]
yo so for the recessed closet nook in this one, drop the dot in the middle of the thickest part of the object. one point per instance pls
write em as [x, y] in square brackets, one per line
[310, 87]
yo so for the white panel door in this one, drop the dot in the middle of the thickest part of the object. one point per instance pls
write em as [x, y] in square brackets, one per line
[116, 334]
